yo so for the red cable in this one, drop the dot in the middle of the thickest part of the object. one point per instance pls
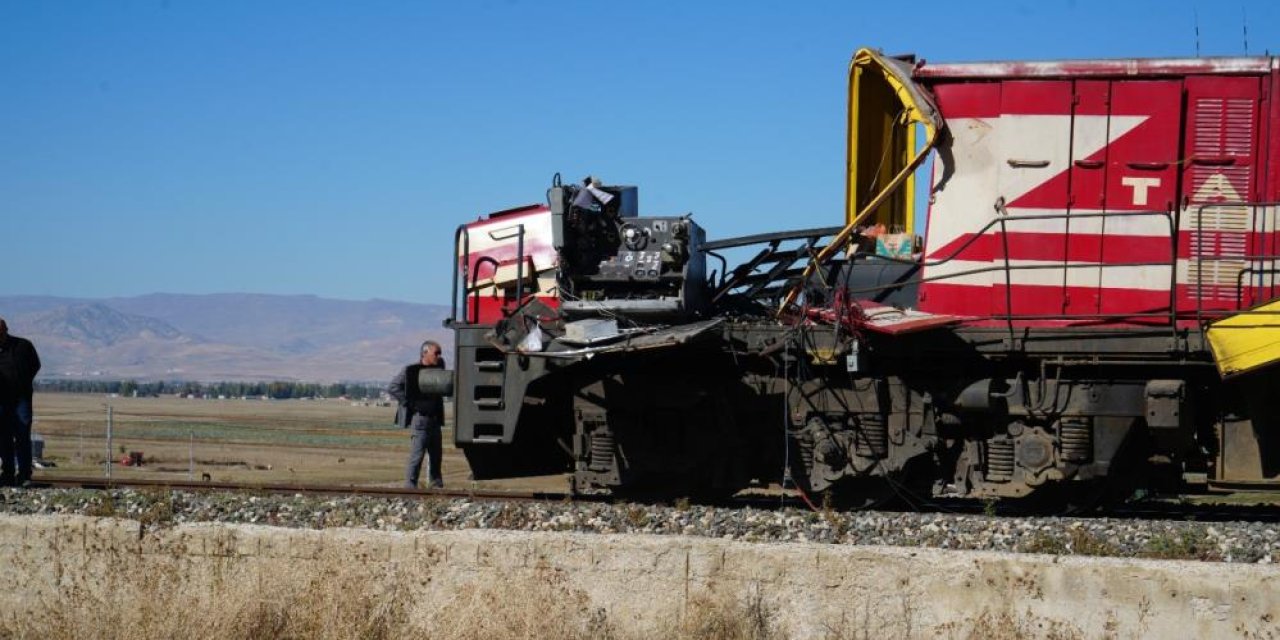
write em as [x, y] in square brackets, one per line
[804, 496]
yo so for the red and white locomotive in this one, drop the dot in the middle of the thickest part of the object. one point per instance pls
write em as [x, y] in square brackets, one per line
[1087, 313]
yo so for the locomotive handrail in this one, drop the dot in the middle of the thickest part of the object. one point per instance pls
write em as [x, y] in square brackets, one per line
[783, 262]
[519, 264]
[974, 237]
[1170, 316]
[1005, 267]
[1197, 254]
[461, 236]
[724, 268]
[470, 273]
[759, 238]
[1197, 249]
[1250, 270]
[745, 273]
[1051, 216]
[475, 271]
[1003, 218]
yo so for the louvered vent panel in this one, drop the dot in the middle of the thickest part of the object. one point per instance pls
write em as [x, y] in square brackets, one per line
[1208, 123]
[1220, 245]
[1223, 128]
[1237, 139]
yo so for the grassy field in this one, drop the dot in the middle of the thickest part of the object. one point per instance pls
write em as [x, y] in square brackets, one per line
[285, 441]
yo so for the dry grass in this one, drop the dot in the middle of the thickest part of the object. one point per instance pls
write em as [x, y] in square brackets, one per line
[117, 593]
[136, 599]
[141, 598]
[101, 585]
[1007, 625]
[720, 615]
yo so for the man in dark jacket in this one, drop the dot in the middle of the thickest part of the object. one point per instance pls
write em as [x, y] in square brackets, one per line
[424, 415]
[18, 367]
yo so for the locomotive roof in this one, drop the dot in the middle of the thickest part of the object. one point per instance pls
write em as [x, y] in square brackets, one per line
[1134, 67]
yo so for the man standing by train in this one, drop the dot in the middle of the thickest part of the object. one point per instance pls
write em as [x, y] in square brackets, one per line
[424, 415]
[19, 365]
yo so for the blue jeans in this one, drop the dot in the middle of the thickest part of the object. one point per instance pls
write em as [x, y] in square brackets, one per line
[426, 442]
[15, 439]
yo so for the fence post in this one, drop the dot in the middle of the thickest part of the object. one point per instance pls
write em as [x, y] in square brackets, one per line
[110, 421]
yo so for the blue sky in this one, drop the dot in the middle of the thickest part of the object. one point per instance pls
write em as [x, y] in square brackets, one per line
[331, 148]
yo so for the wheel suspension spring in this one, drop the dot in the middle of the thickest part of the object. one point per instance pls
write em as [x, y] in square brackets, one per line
[1076, 434]
[805, 447]
[1000, 460]
[873, 441]
[601, 451]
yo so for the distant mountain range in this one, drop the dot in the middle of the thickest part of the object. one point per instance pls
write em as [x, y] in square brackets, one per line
[224, 336]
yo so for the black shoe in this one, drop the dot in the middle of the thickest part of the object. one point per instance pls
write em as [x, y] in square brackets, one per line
[22, 483]
[436, 484]
[7, 481]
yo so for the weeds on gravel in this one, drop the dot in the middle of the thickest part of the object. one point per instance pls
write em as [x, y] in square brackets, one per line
[1078, 541]
[340, 515]
[67, 501]
[638, 517]
[1048, 543]
[836, 521]
[989, 507]
[1084, 542]
[507, 517]
[158, 508]
[1184, 545]
[103, 505]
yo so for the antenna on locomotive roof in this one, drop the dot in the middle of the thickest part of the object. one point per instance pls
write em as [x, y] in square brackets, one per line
[1195, 21]
[1244, 27]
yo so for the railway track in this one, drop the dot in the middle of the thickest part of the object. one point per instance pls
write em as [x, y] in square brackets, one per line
[1150, 510]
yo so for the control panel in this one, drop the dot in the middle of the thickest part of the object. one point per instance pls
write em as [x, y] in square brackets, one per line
[654, 268]
[649, 249]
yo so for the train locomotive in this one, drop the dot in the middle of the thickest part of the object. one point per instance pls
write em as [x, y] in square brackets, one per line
[1080, 306]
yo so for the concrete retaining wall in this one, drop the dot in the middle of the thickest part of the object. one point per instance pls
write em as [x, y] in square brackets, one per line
[637, 582]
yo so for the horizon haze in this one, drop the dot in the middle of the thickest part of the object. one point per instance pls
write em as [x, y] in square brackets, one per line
[224, 337]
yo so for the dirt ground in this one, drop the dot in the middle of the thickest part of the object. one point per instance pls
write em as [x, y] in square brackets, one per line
[232, 440]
